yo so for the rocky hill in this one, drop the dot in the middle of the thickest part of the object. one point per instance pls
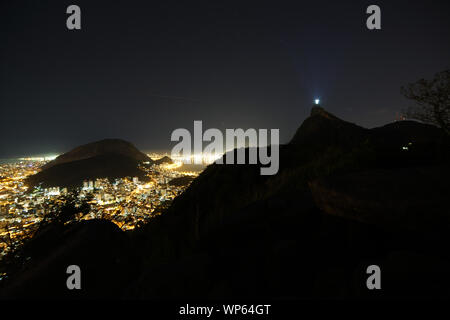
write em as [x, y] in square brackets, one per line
[323, 129]
[344, 198]
[111, 158]
[163, 160]
[98, 148]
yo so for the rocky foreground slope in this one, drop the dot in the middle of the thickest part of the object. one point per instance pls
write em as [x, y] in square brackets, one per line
[344, 198]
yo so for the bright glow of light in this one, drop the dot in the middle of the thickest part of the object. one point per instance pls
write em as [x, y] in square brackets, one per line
[172, 166]
[44, 158]
[204, 158]
[316, 101]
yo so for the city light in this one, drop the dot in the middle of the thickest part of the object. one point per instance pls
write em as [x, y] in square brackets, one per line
[316, 101]
[126, 201]
[40, 158]
[204, 158]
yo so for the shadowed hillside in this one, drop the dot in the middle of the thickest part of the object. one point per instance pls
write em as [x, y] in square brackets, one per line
[111, 158]
[163, 160]
[344, 198]
[98, 148]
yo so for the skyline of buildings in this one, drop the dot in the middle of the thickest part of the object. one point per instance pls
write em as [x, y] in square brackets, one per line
[126, 201]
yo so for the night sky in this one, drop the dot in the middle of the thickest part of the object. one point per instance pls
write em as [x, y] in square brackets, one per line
[140, 69]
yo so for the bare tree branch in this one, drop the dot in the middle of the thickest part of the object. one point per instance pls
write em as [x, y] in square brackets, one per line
[432, 99]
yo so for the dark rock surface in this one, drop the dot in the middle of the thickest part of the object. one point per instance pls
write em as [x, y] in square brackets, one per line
[181, 181]
[345, 198]
[101, 250]
[415, 198]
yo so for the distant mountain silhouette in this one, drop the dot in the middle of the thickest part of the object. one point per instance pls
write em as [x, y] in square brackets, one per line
[111, 158]
[323, 129]
[163, 160]
[345, 197]
[98, 148]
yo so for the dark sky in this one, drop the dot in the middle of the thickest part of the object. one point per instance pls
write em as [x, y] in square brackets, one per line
[140, 69]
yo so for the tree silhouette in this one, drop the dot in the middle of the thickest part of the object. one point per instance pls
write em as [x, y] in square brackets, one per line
[66, 209]
[432, 98]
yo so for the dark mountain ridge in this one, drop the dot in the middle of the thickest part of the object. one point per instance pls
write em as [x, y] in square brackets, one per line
[163, 160]
[93, 149]
[110, 158]
[323, 128]
[336, 206]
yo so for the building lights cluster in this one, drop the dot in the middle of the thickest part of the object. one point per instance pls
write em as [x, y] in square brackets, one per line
[126, 202]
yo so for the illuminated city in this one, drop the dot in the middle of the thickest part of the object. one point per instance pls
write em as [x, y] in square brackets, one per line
[126, 201]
